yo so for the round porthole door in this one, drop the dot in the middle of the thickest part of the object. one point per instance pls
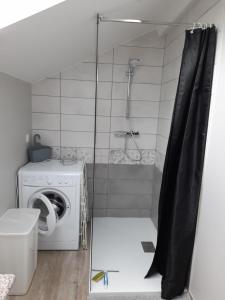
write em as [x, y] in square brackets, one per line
[54, 207]
[48, 217]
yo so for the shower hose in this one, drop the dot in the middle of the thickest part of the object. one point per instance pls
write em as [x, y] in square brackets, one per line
[137, 147]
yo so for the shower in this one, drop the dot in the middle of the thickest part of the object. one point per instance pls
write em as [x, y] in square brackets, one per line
[140, 170]
[132, 64]
[130, 133]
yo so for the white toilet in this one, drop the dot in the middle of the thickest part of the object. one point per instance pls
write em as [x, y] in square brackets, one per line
[18, 246]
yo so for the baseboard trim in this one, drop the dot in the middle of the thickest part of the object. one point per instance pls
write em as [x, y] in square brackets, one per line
[132, 296]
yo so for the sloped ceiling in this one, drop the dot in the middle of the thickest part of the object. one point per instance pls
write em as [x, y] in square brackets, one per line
[64, 35]
[22, 9]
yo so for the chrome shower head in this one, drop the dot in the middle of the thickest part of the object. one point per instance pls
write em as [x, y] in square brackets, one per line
[132, 63]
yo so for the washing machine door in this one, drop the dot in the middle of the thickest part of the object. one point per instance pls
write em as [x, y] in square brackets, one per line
[48, 217]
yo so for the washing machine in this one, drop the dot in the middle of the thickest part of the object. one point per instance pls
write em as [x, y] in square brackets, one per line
[54, 188]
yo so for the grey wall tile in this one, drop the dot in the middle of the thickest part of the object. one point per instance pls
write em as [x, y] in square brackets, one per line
[100, 186]
[101, 170]
[130, 186]
[128, 213]
[123, 187]
[129, 201]
[131, 171]
[89, 170]
[99, 213]
[100, 201]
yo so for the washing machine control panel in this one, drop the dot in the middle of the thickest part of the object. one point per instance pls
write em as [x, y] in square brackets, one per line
[45, 180]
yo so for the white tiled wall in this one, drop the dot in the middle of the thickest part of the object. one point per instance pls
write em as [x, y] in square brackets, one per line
[153, 94]
[170, 74]
[77, 104]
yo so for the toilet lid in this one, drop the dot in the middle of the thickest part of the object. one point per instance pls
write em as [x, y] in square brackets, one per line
[48, 217]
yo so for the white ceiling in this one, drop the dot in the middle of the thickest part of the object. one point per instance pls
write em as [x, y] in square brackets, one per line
[22, 9]
[64, 35]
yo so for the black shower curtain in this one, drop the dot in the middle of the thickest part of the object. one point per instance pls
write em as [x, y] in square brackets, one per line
[182, 174]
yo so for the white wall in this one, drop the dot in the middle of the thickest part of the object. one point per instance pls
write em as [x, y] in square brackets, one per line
[207, 276]
[77, 106]
[170, 74]
[15, 123]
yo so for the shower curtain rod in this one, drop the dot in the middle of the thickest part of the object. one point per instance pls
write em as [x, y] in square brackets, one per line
[137, 21]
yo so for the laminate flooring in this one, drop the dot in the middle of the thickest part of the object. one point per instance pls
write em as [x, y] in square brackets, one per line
[60, 275]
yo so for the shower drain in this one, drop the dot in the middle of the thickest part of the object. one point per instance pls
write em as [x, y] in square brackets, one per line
[148, 247]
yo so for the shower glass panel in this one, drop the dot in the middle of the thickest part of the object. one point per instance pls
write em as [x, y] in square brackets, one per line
[126, 181]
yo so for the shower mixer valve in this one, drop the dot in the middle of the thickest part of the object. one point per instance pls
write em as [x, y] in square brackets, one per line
[133, 133]
[126, 133]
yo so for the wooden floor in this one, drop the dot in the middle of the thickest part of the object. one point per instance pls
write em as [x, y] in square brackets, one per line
[60, 275]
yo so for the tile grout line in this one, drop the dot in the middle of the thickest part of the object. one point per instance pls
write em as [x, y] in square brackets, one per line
[105, 81]
[87, 131]
[109, 151]
[87, 98]
[102, 116]
[158, 119]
